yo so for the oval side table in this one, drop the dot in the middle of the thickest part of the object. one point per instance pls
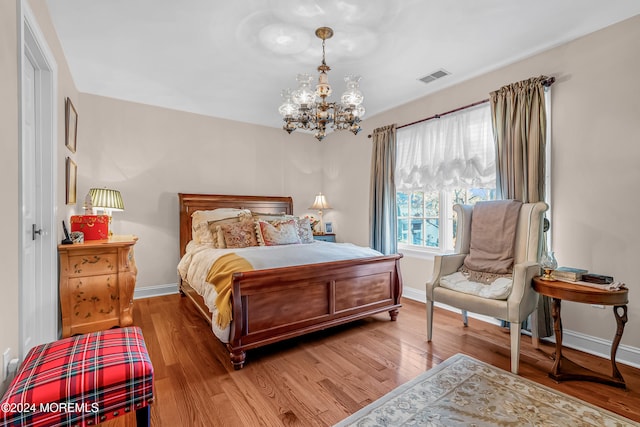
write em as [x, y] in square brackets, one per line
[563, 368]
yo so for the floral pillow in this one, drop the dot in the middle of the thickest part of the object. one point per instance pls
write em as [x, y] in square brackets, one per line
[277, 232]
[314, 222]
[216, 230]
[305, 233]
[240, 234]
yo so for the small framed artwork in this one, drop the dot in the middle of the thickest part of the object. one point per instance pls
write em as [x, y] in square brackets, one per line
[71, 126]
[328, 227]
[71, 181]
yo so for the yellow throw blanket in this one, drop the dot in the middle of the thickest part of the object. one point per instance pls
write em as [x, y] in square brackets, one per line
[221, 277]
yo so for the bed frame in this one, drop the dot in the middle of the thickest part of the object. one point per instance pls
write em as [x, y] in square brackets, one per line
[276, 304]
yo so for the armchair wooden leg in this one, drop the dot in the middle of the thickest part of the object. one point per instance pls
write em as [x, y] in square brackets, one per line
[465, 318]
[429, 320]
[515, 346]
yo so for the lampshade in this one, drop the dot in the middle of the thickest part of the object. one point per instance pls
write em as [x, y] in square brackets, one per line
[320, 203]
[104, 198]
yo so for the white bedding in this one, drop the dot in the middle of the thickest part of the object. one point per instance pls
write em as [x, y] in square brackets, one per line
[198, 259]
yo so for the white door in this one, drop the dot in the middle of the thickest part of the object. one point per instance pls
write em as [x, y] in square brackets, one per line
[38, 232]
[31, 219]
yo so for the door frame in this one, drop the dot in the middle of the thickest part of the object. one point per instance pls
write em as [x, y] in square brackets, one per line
[33, 43]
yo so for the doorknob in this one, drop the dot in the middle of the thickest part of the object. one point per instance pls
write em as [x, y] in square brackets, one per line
[34, 231]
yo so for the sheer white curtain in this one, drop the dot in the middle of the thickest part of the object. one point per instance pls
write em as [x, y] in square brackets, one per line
[453, 151]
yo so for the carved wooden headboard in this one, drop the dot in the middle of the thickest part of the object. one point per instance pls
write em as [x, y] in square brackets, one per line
[189, 203]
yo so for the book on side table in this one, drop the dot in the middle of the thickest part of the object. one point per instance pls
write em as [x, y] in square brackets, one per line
[597, 278]
[568, 273]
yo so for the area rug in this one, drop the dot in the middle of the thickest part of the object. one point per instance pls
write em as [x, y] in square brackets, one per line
[462, 391]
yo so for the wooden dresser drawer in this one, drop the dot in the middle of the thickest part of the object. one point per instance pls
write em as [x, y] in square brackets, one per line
[93, 263]
[94, 298]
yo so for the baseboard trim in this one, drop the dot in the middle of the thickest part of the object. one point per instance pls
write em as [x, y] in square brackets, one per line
[155, 291]
[627, 355]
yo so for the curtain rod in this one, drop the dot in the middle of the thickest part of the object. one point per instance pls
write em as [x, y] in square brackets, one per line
[548, 82]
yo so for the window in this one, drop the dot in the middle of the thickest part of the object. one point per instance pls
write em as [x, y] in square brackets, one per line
[420, 216]
[440, 163]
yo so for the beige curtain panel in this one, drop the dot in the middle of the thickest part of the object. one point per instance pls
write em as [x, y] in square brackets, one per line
[519, 128]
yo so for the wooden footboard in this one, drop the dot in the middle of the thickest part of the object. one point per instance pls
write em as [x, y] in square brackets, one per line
[280, 303]
[276, 304]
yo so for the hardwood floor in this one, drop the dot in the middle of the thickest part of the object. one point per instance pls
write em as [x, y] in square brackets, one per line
[320, 379]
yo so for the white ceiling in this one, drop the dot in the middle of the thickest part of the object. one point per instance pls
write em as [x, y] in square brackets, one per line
[231, 59]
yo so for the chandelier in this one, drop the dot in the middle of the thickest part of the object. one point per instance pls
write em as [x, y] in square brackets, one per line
[309, 110]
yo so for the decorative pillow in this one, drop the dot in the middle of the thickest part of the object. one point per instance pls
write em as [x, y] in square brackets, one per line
[200, 230]
[201, 233]
[216, 232]
[239, 234]
[305, 234]
[277, 232]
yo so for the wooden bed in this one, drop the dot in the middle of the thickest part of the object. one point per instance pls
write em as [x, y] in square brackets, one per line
[276, 304]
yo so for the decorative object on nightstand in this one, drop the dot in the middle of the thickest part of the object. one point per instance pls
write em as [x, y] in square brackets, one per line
[320, 203]
[548, 263]
[327, 237]
[328, 228]
[94, 227]
[97, 280]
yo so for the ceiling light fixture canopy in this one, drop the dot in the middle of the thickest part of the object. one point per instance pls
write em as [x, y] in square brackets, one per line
[306, 109]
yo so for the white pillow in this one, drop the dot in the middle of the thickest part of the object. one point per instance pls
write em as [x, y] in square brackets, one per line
[498, 289]
[200, 231]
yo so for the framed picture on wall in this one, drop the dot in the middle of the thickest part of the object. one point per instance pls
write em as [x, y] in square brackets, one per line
[71, 126]
[328, 227]
[71, 181]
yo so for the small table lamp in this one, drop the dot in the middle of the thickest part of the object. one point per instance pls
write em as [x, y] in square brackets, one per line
[107, 200]
[320, 203]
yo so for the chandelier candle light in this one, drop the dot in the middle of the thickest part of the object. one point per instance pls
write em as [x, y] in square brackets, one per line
[309, 110]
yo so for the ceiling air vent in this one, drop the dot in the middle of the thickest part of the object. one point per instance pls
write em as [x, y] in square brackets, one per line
[434, 76]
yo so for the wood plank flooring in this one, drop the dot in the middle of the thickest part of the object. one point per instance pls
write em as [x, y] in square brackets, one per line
[320, 379]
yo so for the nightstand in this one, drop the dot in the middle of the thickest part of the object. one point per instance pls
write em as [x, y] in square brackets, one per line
[327, 237]
[97, 280]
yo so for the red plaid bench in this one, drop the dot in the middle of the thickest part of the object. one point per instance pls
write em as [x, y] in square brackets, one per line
[81, 381]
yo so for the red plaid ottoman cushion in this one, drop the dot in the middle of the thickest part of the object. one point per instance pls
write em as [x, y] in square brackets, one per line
[81, 380]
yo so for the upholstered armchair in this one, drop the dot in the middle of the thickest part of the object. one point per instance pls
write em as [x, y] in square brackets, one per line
[512, 304]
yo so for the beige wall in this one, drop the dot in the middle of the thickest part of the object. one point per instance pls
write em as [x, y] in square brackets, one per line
[595, 155]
